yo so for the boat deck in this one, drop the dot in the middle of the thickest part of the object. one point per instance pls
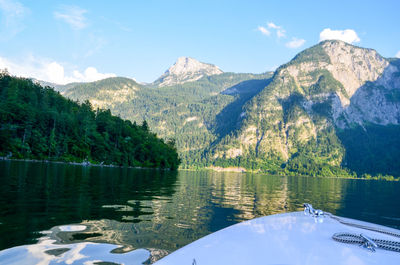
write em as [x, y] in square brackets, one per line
[290, 238]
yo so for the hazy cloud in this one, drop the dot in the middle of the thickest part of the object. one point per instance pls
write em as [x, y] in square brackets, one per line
[347, 35]
[295, 43]
[12, 14]
[264, 31]
[272, 25]
[50, 70]
[398, 54]
[280, 32]
[72, 15]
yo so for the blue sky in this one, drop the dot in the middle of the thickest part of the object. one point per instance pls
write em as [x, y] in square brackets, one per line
[64, 41]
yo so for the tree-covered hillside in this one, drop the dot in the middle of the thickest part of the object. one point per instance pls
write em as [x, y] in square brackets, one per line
[39, 123]
[333, 110]
[189, 113]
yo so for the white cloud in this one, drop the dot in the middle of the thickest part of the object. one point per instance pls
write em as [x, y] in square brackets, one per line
[12, 14]
[91, 74]
[272, 25]
[72, 15]
[398, 54]
[280, 32]
[347, 35]
[295, 43]
[264, 31]
[51, 71]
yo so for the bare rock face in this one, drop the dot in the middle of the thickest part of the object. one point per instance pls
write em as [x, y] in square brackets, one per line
[353, 66]
[371, 83]
[186, 69]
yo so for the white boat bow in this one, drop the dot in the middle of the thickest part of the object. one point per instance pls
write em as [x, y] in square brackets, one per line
[289, 238]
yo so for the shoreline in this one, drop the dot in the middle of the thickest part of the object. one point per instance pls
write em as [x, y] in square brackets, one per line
[228, 169]
[210, 168]
[85, 164]
[244, 170]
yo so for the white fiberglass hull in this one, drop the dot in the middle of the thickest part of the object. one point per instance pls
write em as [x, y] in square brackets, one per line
[290, 238]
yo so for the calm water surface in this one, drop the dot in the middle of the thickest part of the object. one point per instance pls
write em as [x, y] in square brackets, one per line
[64, 214]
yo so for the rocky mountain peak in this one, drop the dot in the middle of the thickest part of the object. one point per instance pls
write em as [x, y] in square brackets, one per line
[186, 69]
[353, 66]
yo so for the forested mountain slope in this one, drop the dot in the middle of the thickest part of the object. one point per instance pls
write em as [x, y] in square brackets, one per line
[333, 105]
[195, 114]
[39, 123]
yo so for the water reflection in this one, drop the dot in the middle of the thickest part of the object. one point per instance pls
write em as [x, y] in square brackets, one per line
[161, 211]
[56, 247]
[72, 228]
[48, 252]
[37, 196]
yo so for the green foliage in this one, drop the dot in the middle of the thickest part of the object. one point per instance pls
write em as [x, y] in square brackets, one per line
[315, 53]
[393, 95]
[326, 83]
[290, 106]
[92, 89]
[372, 149]
[307, 166]
[319, 157]
[39, 123]
[380, 177]
[323, 108]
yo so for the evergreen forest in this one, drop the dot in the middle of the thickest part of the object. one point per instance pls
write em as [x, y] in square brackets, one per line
[38, 123]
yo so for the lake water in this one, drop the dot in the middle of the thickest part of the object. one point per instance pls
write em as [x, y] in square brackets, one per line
[64, 214]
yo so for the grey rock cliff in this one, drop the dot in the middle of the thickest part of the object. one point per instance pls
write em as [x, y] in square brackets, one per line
[184, 70]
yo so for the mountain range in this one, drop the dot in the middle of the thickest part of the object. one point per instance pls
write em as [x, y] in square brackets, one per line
[334, 109]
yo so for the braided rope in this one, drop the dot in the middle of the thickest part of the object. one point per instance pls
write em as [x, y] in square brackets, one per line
[352, 238]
